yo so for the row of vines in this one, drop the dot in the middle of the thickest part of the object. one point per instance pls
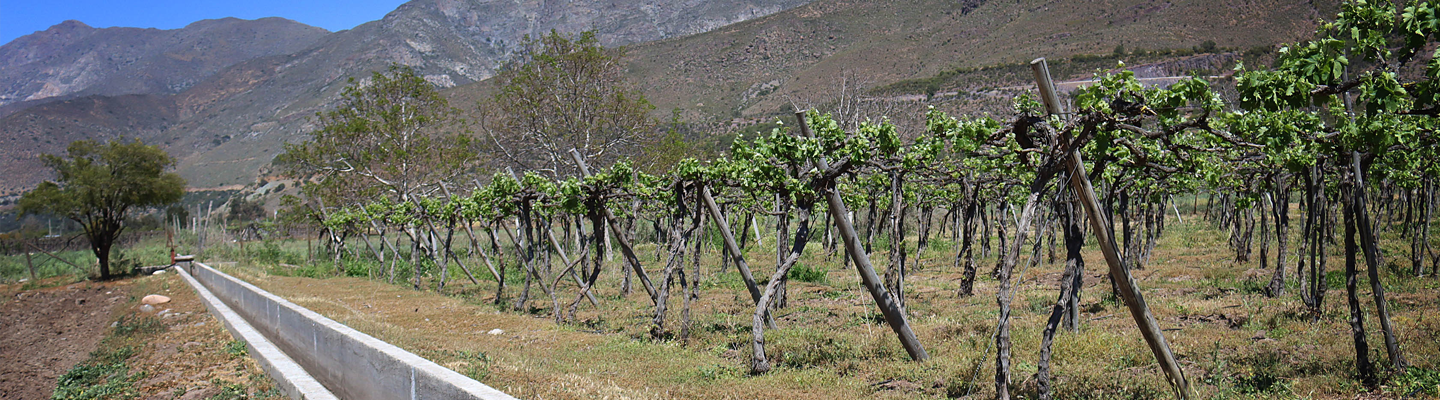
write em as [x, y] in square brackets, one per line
[1342, 126]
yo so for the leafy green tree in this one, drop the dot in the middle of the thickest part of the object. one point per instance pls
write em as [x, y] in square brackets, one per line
[99, 184]
[566, 93]
[1359, 102]
[393, 135]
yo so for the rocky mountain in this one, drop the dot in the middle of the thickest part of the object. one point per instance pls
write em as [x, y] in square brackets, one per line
[229, 125]
[73, 59]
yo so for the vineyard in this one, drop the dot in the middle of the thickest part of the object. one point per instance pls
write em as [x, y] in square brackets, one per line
[1328, 156]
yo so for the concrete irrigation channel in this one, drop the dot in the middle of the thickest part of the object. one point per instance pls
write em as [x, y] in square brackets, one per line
[313, 357]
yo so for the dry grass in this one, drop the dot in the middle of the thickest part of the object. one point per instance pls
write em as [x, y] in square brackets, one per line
[1232, 341]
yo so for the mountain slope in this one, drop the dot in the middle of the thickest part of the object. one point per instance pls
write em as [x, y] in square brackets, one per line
[72, 58]
[451, 42]
[760, 66]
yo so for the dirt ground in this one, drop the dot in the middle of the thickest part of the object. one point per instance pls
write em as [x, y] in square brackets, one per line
[45, 332]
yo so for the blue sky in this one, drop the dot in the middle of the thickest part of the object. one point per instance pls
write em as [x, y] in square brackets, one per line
[23, 17]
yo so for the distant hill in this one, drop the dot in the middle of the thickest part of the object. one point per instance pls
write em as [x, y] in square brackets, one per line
[72, 58]
[759, 67]
[227, 123]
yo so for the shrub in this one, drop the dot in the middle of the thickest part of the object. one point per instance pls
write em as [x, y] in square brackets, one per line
[807, 273]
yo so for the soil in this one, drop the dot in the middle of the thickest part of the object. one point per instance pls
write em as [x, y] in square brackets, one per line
[45, 332]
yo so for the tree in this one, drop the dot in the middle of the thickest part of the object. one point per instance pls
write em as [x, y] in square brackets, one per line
[99, 184]
[566, 93]
[390, 135]
[177, 214]
[1357, 103]
[245, 210]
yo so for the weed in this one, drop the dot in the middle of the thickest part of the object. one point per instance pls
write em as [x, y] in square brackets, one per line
[805, 347]
[807, 273]
[1251, 286]
[1040, 304]
[269, 252]
[718, 371]
[110, 356]
[1263, 376]
[131, 325]
[230, 392]
[1415, 381]
[1335, 279]
[236, 349]
[358, 268]
[97, 381]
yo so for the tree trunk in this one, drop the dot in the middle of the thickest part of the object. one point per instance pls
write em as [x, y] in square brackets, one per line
[895, 274]
[1280, 210]
[759, 364]
[1067, 305]
[692, 288]
[967, 250]
[1011, 256]
[100, 244]
[1372, 259]
[676, 261]
[1357, 317]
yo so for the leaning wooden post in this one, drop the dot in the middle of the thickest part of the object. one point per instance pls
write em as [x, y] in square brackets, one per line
[733, 249]
[1129, 290]
[52, 255]
[29, 264]
[894, 316]
[625, 248]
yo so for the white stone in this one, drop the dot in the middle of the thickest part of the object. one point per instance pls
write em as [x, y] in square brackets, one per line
[496, 331]
[155, 299]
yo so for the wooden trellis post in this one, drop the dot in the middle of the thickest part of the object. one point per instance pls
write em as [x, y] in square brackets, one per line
[1129, 290]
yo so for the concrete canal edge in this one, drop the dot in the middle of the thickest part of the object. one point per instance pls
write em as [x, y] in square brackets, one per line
[350, 364]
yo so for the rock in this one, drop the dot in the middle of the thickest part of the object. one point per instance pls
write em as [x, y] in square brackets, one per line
[79, 302]
[1258, 335]
[496, 331]
[158, 272]
[147, 308]
[155, 299]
